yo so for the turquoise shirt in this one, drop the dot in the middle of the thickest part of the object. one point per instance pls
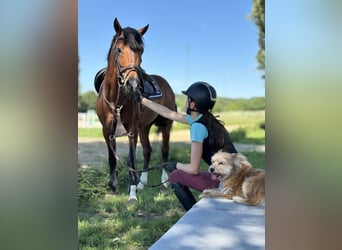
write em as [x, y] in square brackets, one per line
[198, 132]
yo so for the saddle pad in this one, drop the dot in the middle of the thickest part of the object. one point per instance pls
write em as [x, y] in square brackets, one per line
[151, 88]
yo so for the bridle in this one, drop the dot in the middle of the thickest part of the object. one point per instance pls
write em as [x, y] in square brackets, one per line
[123, 72]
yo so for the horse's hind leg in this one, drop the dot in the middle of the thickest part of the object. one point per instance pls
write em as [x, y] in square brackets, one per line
[147, 150]
[133, 176]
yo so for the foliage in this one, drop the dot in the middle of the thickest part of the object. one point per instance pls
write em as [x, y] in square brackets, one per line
[257, 159]
[238, 135]
[224, 104]
[228, 104]
[258, 17]
[87, 101]
[243, 126]
[262, 125]
[90, 184]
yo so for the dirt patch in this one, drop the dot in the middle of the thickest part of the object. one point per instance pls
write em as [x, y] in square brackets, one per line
[93, 152]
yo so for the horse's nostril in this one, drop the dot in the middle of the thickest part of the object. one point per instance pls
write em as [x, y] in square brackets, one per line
[133, 83]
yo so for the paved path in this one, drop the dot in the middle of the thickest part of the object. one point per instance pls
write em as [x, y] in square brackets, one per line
[216, 224]
[249, 147]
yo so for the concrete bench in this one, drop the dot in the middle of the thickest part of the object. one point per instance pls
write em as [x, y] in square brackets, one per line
[216, 224]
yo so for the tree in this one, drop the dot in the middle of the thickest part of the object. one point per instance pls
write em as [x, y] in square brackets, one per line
[87, 101]
[258, 17]
[82, 105]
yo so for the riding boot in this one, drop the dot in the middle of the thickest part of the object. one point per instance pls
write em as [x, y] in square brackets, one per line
[184, 195]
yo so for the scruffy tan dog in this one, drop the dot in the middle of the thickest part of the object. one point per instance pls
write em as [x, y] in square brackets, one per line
[239, 180]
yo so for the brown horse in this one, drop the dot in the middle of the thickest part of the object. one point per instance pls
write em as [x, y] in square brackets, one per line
[118, 111]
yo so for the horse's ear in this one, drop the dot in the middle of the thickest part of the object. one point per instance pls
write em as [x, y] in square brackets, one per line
[117, 26]
[142, 31]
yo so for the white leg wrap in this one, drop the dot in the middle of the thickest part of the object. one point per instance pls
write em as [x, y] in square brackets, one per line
[143, 180]
[133, 192]
[164, 177]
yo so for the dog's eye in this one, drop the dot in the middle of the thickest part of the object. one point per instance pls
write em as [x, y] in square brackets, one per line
[221, 162]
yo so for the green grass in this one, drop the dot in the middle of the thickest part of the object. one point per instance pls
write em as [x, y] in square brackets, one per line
[90, 132]
[109, 223]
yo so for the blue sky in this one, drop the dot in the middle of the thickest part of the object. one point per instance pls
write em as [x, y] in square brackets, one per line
[187, 41]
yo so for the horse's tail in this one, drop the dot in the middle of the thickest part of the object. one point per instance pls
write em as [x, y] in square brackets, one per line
[160, 124]
[158, 130]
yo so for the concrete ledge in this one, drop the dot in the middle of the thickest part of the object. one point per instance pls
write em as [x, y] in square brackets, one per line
[216, 224]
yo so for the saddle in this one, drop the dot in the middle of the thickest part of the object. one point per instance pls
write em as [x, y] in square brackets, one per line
[151, 87]
[99, 79]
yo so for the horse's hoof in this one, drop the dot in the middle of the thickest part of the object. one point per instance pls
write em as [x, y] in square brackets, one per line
[132, 201]
[165, 185]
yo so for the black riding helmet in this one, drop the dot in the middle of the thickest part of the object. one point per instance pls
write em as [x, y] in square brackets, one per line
[203, 94]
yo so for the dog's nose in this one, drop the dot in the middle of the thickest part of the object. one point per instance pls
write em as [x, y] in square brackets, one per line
[211, 169]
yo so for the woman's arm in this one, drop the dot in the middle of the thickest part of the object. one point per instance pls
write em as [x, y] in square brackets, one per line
[164, 111]
[196, 155]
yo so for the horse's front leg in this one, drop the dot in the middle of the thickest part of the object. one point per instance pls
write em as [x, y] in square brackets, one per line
[133, 176]
[113, 172]
[147, 150]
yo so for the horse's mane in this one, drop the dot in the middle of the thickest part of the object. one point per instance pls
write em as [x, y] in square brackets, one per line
[132, 38]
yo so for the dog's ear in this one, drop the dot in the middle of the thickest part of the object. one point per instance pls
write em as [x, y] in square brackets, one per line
[240, 160]
[236, 159]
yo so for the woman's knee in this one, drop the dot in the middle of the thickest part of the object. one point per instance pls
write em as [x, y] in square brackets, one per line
[176, 176]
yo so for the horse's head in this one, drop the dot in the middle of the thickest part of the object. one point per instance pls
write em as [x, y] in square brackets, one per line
[125, 56]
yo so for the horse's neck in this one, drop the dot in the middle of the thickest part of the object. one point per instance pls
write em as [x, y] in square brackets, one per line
[111, 88]
[113, 92]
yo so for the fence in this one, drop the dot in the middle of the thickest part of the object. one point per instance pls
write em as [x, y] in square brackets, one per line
[88, 120]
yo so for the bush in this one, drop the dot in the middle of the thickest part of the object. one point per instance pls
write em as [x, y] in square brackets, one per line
[262, 125]
[238, 135]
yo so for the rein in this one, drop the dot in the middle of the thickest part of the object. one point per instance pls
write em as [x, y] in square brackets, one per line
[159, 166]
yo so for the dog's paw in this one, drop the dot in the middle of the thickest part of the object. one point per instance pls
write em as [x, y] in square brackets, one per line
[205, 194]
[239, 199]
[227, 191]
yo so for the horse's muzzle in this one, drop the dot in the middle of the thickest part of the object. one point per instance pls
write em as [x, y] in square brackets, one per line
[133, 84]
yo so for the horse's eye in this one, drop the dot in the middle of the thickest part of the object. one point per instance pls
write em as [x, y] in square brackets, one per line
[118, 50]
